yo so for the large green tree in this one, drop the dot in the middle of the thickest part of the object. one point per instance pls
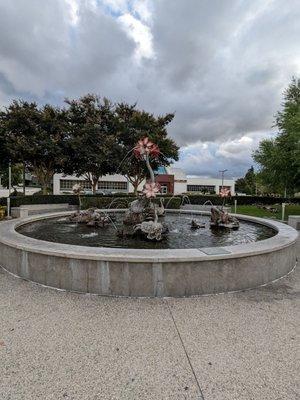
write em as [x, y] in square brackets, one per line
[92, 148]
[279, 158]
[135, 124]
[4, 154]
[34, 136]
[248, 183]
[16, 176]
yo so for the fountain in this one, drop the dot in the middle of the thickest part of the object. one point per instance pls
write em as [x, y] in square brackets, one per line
[145, 249]
[141, 217]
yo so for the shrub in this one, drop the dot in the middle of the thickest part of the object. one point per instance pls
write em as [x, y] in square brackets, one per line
[42, 199]
[15, 193]
[121, 202]
[2, 212]
[101, 201]
[241, 200]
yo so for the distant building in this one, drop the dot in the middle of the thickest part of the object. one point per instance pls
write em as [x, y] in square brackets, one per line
[172, 181]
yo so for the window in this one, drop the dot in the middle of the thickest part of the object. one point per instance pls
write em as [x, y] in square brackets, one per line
[67, 184]
[201, 188]
[164, 189]
[107, 185]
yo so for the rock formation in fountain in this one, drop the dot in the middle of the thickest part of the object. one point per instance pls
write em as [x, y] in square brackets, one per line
[221, 219]
[92, 217]
[197, 225]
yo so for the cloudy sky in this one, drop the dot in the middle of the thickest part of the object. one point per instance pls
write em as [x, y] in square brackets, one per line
[220, 65]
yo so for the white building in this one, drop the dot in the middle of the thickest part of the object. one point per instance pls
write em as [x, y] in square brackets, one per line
[172, 181]
[209, 185]
[63, 184]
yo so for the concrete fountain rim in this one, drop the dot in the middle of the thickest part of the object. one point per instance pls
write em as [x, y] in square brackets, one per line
[285, 236]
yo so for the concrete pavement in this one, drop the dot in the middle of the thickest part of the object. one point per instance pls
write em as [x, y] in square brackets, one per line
[59, 345]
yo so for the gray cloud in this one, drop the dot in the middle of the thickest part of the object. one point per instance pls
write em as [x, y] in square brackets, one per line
[221, 66]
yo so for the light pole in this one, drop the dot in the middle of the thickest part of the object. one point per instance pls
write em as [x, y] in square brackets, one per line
[222, 172]
[9, 189]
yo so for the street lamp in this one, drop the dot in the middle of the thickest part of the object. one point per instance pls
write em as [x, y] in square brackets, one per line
[222, 172]
[9, 189]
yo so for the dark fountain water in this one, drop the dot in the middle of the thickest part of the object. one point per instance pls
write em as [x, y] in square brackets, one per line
[180, 234]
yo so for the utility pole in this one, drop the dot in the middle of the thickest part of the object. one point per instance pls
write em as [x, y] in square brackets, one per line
[23, 173]
[9, 189]
[222, 172]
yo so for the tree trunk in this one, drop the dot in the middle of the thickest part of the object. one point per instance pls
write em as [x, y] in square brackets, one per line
[24, 189]
[135, 181]
[94, 186]
[135, 188]
[44, 189]
[44, 177]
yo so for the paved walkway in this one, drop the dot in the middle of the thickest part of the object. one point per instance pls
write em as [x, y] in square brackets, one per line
[56, 345]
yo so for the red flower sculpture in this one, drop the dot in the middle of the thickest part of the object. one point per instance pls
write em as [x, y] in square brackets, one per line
[224, 192]
[145, 146]
[151, 189]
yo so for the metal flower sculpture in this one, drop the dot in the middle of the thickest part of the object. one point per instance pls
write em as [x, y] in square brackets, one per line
[145, 147]
[224, 192]
[151, 189]
[146, 150]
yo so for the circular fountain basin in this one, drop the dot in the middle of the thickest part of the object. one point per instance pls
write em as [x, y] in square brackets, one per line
[149, 271]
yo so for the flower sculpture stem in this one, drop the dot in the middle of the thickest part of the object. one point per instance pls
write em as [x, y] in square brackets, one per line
[146, 150]
[152, 178]
[224, 193]
[77, 189]
[150, 168]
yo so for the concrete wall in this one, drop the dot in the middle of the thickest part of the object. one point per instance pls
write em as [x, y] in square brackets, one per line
[139, 272]
[179, 187]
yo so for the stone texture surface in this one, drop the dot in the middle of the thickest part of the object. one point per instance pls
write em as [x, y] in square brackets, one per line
[58, 345]
[151, 279]
[294, 221]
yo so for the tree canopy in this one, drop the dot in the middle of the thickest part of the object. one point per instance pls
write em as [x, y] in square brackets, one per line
[279, 158]
[4, 154]
[247, 184]
[34, 136]
[89, 137]
[91, 148]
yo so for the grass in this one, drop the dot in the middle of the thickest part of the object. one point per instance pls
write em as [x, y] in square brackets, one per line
[293, 209]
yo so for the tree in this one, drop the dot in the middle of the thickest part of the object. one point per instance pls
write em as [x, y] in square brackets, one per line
[35, 137]
[279, 158]
[91, 149]
[134, 124]
[4, 153]
[16, 176]
[247, 184]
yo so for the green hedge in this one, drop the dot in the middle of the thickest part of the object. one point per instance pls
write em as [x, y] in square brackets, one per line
[103, 201]
[42, 199]
[120, 202]
[241, 200]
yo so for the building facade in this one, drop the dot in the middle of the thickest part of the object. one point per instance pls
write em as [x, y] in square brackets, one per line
[172, 181]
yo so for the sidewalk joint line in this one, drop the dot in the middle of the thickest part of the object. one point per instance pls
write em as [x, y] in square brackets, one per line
[184, 348]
